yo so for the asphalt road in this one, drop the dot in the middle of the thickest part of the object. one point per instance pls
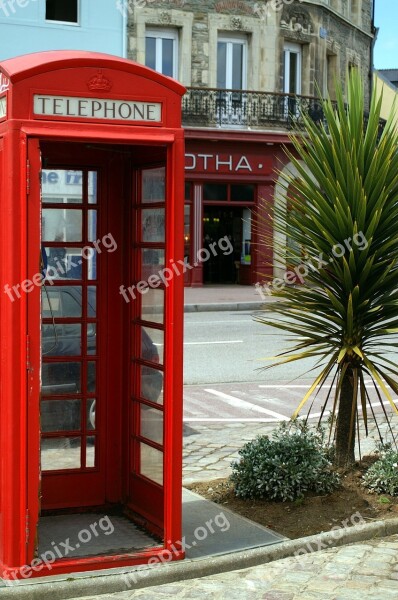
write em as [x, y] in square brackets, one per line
[224, 375]
[225, 347]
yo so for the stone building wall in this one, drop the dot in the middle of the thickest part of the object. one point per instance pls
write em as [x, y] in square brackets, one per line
[332, 41]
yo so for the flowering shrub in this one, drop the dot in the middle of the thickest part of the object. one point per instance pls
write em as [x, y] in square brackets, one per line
[382, 476]
[293, 462]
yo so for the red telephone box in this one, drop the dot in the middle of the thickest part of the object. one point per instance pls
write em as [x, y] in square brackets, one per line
[91, 205]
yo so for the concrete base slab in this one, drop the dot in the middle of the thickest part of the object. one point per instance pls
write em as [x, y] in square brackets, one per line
[211, 530]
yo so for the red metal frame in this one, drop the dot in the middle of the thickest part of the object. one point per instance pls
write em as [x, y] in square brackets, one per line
[67, 73]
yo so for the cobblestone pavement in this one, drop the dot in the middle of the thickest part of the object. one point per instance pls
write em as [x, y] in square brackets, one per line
[357, 571]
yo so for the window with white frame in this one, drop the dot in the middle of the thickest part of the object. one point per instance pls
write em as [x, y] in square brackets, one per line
[232, 62]
[64, 11]
[161, 51]
[292, 60]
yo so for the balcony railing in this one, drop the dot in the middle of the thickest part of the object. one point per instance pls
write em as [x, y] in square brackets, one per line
[209, 107]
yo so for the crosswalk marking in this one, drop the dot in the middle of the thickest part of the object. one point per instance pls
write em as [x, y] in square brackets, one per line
[239, 403]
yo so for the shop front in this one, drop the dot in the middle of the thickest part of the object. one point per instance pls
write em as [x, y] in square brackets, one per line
[91, 180]
[229, 189]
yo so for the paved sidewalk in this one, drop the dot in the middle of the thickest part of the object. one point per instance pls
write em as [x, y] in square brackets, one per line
[222, 297]
[362, 571]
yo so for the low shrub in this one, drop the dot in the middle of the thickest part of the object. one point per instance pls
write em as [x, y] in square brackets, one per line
[286, 466]
[382, 476]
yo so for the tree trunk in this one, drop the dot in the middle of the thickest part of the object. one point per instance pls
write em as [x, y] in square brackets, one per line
[345, 448]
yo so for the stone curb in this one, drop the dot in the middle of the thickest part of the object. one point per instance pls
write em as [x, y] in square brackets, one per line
[69, 586]
[223, 306]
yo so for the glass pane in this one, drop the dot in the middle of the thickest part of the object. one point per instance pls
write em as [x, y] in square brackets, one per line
[91, 377]
[153, 185]
[61, 301]
[152, 345]
[63, 263]
[153, 261]
[152, 424]
[152, 463]
[61, 340]
[61, 378]
[153, 225]
[153, 305]
[91, 301]
[60, 453]
[151, 384]
[60, 415]
[92, 225]
[91, 338]
[62, 186]
[221, 65]
[150, 52]
[62, 11]
[61, 225]
[90, 414]
[167, 57]
[237, 66]
[90, 451]
[242, 193]
[188, 190]
[92, 187]
[293, 72]
[92, 264]
[215, 191]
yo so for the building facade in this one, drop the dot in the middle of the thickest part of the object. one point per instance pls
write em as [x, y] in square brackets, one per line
[250, 68]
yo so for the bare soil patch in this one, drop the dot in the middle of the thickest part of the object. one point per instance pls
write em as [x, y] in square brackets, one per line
[311, 515]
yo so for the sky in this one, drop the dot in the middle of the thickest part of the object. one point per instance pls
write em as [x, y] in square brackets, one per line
[386, 48]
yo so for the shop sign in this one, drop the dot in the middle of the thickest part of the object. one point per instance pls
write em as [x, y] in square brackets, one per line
[238, 164]
[96, 108]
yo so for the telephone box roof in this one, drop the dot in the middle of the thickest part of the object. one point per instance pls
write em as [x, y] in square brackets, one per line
[27, 65]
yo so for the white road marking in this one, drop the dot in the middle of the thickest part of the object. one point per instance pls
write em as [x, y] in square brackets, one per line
[252, 420]
[217, 342]
[239, 403]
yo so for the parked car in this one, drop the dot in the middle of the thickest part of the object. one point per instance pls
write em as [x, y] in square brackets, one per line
[64, 340]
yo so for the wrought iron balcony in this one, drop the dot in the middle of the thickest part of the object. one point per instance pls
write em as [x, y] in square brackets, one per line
[210, 107]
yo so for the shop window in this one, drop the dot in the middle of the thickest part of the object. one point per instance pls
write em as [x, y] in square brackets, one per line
[242, 193]
[224, 192]
[161, 51]
[215, 191]
[66, 11]
[188, 190]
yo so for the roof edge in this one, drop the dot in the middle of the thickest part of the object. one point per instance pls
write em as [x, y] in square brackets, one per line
[27, 65]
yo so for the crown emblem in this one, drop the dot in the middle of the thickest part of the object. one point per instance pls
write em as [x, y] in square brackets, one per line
[99, 82]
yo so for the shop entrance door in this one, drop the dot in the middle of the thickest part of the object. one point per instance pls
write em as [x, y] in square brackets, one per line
[101, 399]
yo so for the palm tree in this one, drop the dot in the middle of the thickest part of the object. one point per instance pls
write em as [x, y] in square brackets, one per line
[343, 234]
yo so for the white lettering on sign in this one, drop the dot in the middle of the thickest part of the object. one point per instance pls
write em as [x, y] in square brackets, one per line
[3, 107]
[217, 162]
[97, 108]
